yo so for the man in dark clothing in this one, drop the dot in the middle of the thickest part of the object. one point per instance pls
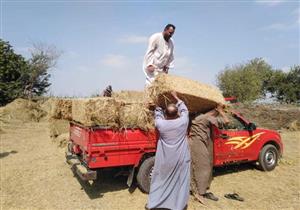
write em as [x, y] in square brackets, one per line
[201, 145]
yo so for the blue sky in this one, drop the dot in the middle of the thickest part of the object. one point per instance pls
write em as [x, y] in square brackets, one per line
[103, 42]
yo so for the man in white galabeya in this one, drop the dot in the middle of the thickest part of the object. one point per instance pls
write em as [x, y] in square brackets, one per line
[159, 56]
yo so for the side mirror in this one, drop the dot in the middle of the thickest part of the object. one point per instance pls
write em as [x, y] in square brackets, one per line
[251, 126]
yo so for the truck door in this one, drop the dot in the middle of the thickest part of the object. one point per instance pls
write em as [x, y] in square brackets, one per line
[228, 141]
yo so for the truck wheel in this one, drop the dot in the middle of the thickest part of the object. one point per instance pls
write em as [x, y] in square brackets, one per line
[144, 174]
[268, 158]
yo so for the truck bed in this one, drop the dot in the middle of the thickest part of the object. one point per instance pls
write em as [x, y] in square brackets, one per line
[100, 147]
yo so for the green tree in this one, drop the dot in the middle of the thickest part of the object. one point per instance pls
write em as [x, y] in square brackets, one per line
[25, 78]
[245, 81]
[285, 87]
[13, 70]
[43, 58]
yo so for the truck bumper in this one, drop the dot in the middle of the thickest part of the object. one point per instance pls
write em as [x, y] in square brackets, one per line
[82, 171]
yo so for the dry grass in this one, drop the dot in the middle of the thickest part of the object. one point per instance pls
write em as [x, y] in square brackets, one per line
[96, 111]
[198, 97]
[22, 110]
[129, 96]
[60, 108]
[136, 115]
[58, 127]
[62, 140]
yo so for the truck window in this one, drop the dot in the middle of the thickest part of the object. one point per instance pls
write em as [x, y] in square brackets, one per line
[234, 123]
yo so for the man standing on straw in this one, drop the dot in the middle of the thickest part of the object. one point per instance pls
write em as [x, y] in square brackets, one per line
[159, 56]
[170, 182]
[202, 151]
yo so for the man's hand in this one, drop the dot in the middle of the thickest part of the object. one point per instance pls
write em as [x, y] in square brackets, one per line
[174, 94]
[220, 108]
[150, 68]
[166, 70]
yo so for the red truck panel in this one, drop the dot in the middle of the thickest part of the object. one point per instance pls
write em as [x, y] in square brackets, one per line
[109, 148]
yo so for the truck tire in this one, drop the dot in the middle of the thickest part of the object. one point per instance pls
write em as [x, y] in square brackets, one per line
[268, 158]
[144, 174]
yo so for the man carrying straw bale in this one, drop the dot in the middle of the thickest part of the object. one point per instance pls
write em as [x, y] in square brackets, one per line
[202, 151]
[170, 182]
[159, 56]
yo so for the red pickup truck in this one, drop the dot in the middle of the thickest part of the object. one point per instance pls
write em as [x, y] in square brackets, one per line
[95, 148]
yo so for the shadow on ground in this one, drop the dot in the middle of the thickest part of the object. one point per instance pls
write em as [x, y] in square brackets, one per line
[229, 169]
[5, 154]
[107, 181]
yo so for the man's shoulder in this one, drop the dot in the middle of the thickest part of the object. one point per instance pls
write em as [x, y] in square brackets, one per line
[156, 35]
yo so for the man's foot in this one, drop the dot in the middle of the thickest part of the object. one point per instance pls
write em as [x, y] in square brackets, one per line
[210, 196]
[199, 198]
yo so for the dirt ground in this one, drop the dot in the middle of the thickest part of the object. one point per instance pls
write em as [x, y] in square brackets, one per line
[34, 175]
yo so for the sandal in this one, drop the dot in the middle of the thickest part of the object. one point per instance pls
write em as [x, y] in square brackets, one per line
[210, 196]
[234, 196]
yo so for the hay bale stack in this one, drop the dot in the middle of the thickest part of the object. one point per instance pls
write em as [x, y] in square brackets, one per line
[129, 96]
[96, 111]
[61, 108]
[198, 97]
[136, 115]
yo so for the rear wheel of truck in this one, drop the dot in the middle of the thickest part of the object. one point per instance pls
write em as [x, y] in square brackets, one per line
[268, 158]
[144, 174]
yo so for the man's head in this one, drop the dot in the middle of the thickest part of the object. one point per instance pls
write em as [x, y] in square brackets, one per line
[168, 31]
[171, 112]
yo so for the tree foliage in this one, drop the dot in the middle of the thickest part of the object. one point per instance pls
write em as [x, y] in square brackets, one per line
[285, 86]
[256, 78]
[13, 70]
[25, 78]
[42, 59]
[245, 81]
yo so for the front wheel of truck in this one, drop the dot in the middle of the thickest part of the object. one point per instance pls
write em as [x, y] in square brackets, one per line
[144, 174]
[268, 157]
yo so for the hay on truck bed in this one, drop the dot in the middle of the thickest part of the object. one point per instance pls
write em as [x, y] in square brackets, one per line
[61, 108]
[130, 96]
[136, 115]
[100, 111]
[198, 97]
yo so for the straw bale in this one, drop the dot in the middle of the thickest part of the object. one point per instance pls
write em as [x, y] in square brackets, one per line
[198, 97]
[129, 96]
[100, 111]
[61, 108]
[58, 127]
[136, 115]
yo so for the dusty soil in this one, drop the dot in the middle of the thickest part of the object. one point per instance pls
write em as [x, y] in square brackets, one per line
[272, 116]
[34, 175]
